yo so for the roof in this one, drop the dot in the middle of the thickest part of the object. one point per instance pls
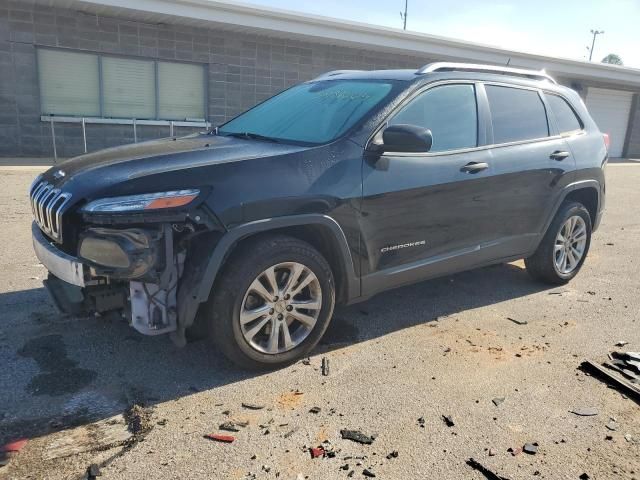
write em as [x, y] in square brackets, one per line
[249, 18]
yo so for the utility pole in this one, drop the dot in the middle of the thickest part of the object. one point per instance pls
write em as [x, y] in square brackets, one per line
[595, 33]
[403, 16]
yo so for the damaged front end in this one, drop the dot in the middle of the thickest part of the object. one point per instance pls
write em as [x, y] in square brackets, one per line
[132, 263]
[144, 259]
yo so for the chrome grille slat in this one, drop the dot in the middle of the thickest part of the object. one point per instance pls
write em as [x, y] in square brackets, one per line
[47, 204]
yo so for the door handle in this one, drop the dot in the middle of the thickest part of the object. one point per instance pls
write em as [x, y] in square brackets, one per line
[559, 155]
[474, 167]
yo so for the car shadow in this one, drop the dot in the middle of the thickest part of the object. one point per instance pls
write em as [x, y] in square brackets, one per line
[61, 371]
[428, 301]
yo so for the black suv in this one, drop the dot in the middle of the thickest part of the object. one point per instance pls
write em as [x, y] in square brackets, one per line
[328, 193]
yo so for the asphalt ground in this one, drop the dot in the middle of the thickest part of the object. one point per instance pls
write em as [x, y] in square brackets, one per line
[441, 347]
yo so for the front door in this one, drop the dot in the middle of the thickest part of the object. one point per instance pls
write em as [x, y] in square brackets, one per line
[424, 214]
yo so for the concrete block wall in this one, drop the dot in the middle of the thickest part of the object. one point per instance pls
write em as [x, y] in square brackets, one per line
[242, 69]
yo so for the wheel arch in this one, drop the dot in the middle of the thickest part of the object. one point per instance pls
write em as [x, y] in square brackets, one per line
[586, 192]
[321, 231]
[587, 196]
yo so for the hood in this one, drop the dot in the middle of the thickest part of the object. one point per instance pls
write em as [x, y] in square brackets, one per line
[169, 154]
[158, 165]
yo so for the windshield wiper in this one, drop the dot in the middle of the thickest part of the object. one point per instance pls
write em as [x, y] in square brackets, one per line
[252, 136]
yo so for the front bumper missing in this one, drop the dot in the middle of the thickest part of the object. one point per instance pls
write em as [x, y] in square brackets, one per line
[60, 264]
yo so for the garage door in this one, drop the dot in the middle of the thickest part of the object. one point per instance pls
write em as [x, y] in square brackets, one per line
[610, 110]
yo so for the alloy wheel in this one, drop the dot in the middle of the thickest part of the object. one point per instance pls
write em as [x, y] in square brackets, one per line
[280, 308]
[570, 245]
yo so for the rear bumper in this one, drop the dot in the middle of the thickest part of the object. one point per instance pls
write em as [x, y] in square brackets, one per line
[60, 264]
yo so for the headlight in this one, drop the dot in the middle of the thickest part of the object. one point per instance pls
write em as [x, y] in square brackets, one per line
[147, 201]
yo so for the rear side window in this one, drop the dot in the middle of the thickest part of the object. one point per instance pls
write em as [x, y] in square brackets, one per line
[450, 113]
[516, 114]
[565, 116]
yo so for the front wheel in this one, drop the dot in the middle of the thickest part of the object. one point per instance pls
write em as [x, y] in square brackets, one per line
[272, 303]
[564, 247]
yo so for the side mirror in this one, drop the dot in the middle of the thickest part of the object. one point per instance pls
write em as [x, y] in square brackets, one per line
[406, 138]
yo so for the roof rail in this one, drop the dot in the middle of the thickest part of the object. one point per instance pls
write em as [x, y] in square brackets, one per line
[333, 73]
[471, 67]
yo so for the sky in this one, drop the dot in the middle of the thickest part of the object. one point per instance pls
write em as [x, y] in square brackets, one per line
[558, 28]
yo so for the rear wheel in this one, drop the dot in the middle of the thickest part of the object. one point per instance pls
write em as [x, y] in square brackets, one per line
[272, 303]
[564, 247]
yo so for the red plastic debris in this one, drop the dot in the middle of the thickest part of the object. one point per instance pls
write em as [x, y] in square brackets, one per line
[15, 446]
[220, 438]
[316, 452]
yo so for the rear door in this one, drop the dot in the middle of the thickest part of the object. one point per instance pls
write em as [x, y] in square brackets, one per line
[531, 160]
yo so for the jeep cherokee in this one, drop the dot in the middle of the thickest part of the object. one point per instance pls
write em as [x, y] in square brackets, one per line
[328, 193]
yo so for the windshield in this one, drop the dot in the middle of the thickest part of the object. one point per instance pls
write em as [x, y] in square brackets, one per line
[310, 113]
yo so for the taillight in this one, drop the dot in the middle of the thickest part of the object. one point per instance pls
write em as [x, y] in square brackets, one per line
[607, 140]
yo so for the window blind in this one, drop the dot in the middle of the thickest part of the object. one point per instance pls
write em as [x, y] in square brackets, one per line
[180, 91]
[128, 88]
[69, 83]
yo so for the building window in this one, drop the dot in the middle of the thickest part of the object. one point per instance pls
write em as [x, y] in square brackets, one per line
[89, 85]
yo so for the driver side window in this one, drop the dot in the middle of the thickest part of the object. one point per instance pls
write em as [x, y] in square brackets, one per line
[449, 111]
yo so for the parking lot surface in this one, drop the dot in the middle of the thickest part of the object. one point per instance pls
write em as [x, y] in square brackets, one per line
[398, 364]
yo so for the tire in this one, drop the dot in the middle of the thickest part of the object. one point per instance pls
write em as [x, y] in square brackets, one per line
[542, 264]
[233, 292]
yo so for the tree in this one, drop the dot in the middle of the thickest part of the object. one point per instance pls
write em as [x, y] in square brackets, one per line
[613, 59]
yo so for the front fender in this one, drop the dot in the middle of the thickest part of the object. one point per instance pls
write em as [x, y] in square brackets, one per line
[196, 287]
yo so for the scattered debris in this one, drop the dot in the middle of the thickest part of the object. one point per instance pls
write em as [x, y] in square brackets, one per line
[497, 401]
[484, 470]
[518, 322]
[610, 378]
[530, 448]
[15, 446]
[345, 467]
[325, 366]
[584, 476]
[514, 451]
[93, 471]
[103, 435]
[612, 425]
[315, 410]
[585, 411]
[368, 473]
[138, 419]
[317, 452]
[357, 436]
[448, 420]
[290, 432]
[629, 438]
[492, 452]
[622, 343]
[229, 427]
[220, 438]
[421, 422]
[393, 454]
[252, 406]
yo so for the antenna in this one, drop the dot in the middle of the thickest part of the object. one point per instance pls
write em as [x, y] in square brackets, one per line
[403, 16]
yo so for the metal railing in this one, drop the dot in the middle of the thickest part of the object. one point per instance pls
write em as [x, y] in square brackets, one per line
[83, 121]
